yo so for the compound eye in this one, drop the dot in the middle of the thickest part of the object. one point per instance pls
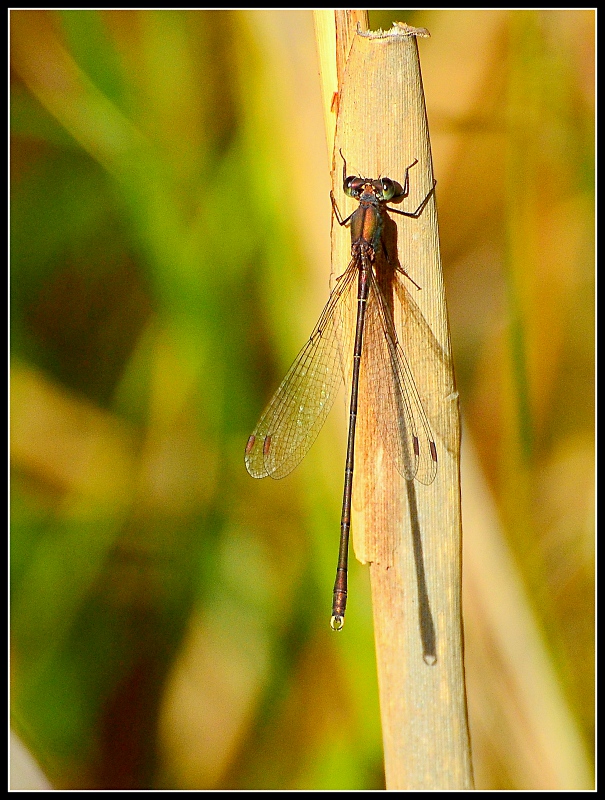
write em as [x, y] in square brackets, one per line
[388, 189]
[352, 186]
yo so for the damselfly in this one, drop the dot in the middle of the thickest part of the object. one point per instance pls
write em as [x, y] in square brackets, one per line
[373, 283]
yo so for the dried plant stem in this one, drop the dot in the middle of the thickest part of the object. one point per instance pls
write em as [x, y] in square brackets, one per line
[334, 32]
[409, 533]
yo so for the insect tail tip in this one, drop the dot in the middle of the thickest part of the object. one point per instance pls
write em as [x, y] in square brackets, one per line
[337, 622]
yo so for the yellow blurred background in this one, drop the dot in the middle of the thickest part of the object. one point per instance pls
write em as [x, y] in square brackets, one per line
[170, 221]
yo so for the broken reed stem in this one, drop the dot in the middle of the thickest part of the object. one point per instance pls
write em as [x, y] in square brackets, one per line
[409, 533]
[334, 32]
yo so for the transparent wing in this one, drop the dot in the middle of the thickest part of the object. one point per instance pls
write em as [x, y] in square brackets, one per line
[292, 420]
[393, 395]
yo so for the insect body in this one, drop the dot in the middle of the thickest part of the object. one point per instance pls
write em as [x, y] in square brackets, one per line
[372, 283]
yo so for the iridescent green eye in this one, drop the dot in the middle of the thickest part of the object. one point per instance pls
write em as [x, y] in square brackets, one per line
[391, 190]
[352, 186]
[388, 189]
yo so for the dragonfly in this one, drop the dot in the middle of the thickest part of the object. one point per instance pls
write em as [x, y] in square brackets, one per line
[372, 293]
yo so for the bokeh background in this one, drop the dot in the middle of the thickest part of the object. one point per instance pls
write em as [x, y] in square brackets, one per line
[170, 221]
